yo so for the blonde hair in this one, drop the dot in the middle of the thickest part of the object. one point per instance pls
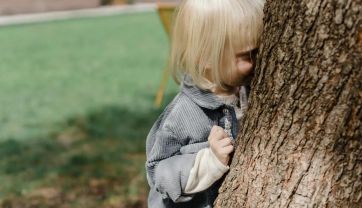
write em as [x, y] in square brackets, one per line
[206, 35]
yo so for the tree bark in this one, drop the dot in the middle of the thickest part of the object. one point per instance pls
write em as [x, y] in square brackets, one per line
[300, 143]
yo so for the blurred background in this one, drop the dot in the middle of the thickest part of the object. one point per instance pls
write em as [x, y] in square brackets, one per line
[77, 99]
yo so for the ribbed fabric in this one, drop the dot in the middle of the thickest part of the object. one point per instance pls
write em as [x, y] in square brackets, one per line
[173, 143]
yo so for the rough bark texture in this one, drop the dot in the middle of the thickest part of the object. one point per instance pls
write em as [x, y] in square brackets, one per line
[300, 144]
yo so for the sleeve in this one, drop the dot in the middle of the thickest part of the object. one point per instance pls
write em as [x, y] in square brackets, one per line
[206, 170]
[167, 169]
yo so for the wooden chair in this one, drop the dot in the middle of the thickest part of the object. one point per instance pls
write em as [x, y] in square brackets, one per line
[165, 11]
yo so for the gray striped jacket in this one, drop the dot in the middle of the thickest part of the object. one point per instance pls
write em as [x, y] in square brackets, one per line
[173, 142]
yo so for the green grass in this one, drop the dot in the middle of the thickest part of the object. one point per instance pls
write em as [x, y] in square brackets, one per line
[52, 71]
[76, 101]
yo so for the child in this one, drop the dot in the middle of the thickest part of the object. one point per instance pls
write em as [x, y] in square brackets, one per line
[189, 146]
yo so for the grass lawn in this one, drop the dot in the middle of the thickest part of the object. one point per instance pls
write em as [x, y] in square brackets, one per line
[76, 106]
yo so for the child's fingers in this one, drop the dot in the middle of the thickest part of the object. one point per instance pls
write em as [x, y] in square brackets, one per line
[225, 142]
[221, 134]
[215, 129]
[218, 133]
[227, 149]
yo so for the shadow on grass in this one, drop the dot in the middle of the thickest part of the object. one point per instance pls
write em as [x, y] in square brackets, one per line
[93, 161]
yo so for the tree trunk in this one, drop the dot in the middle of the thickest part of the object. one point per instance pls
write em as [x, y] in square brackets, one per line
[300, 144]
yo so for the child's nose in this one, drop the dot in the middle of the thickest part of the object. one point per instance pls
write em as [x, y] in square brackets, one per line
[245, 68]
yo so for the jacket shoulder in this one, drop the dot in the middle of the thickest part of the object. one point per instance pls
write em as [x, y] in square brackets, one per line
[183, 110]
[183, 118]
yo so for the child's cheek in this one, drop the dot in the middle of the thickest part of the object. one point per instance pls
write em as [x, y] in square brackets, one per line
[244, 68]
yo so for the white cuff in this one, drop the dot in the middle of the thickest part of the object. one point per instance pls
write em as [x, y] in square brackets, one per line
[206, 170]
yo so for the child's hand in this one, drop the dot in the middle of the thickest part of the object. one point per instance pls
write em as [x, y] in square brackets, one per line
[220, 144]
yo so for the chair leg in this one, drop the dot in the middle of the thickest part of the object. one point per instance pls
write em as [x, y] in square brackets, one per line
[161, 89]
